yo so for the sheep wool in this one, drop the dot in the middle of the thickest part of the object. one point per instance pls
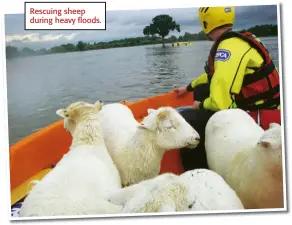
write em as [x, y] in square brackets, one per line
[137, 148]
[227, 132]
[247, 157]
[163, 193]
[194, 190]
[81, 180]
[256, 173]
[207, 190]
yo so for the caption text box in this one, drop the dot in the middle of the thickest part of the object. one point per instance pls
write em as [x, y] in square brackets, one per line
[65, 16]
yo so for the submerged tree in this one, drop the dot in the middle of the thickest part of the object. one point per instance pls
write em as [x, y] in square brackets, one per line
[161, 25]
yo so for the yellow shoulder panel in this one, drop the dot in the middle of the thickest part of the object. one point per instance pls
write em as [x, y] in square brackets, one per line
[231, 61]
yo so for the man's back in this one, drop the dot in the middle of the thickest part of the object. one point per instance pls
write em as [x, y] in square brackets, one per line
[242, 57]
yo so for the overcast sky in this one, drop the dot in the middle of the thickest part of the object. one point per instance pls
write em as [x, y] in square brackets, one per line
[122, 24]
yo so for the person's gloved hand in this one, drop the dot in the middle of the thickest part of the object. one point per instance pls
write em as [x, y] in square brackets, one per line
[196, 104]
[180, 91]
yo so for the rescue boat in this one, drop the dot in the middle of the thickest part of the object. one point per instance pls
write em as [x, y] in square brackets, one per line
[36, 155]
[177, 44]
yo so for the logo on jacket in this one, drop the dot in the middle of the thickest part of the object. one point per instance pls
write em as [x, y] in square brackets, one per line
[222, 55]
[228, 9]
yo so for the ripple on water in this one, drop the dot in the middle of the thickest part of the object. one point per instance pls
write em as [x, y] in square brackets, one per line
[37, 86]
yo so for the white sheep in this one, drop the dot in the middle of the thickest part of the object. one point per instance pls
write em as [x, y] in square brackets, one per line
[80, 181]
[194, 190]
[207, 190]
[138, 148]
[247, 157]
[226, 133]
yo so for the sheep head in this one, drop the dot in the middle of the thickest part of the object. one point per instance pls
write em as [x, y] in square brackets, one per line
[171, 130]
[271, 139]
[76, 112]
[271, 144]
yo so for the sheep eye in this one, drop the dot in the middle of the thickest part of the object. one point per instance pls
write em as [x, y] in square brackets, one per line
[172, 128]
[190, 206]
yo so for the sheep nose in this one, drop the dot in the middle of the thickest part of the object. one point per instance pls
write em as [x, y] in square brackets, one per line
[197, 139]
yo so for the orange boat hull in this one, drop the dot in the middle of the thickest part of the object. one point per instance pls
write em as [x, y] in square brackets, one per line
[32, 157]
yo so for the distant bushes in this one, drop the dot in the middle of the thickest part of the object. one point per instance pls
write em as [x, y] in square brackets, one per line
[264, 30]
[11, 51]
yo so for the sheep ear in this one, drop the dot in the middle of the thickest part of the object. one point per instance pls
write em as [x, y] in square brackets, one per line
[62, 113]
[163, 120]
[145, 126]
[67, 114]
[142, 126]
[274, 125]
[150, 110]
[162, 116]
[266, 142]
[99, 104]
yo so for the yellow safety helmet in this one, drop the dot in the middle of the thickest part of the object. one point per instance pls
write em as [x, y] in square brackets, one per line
[214, 17]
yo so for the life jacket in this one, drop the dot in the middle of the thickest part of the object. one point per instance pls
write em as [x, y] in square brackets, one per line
[263, 84]
[264, 117]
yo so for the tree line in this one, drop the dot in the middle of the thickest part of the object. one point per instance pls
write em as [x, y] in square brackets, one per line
[150, 37]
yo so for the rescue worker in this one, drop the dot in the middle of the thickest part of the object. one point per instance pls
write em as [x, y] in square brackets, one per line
[239, 73]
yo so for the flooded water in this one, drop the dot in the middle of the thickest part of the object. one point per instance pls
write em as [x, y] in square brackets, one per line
[38, 86]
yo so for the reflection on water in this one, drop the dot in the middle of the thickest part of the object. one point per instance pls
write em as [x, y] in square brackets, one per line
[38, 86]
